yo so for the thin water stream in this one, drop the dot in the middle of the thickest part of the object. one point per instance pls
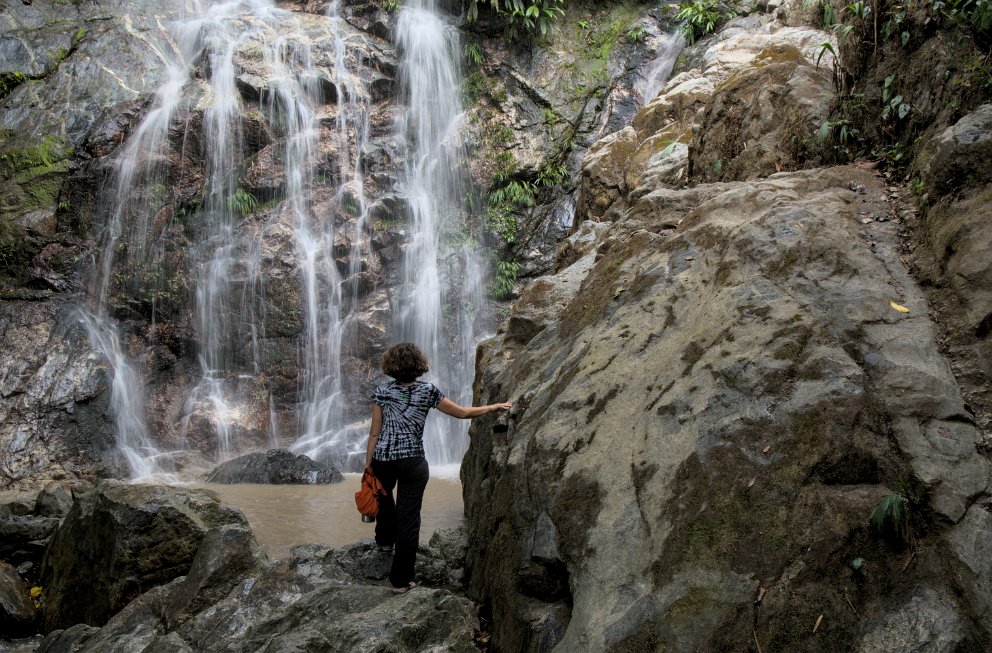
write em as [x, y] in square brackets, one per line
[283, 516]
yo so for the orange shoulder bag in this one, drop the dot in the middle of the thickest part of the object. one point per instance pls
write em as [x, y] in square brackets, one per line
[367, 498]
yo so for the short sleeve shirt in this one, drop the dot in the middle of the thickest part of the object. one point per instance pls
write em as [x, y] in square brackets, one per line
[404, 412]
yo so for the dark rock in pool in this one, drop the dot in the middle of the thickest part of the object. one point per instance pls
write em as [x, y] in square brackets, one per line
[278, 467]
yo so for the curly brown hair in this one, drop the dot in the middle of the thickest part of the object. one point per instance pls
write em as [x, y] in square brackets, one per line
[404, 362]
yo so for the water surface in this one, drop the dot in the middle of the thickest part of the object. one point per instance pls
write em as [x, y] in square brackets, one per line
[282, 516]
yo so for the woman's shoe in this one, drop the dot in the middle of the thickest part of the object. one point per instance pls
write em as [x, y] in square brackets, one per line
[386, 549]
[404, 588]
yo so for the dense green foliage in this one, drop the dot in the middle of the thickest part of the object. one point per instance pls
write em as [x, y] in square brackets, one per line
[884, 101]
[506, 276]
[699, 18]
[521, 16]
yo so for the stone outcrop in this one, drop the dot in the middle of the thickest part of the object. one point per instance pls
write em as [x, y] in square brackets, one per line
[55, 399]
[118, 541]
[28, 520]
[234, 599]
[714, 391]
[275, 466]
[714, 120]
[954, 240]
[17, 611]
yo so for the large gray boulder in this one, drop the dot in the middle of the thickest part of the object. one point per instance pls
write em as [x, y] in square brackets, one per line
[715, 409]
[119, 541]
[958, 156]
[276, 466]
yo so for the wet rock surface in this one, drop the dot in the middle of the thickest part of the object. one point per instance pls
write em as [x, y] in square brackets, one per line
[232, 598]
[275, 466]
[54, 403]
[715, 389]
[120, 540]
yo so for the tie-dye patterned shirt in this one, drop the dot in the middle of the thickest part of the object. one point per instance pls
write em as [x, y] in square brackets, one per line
[404, 412]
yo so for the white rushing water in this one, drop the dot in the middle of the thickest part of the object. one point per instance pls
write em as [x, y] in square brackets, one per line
[325, 436]
[437, 306]
[438, 303]
[659, 69]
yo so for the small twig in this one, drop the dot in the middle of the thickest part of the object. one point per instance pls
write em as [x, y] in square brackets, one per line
[816, 627]
[757, 643]
[852, 605]
[909, 560]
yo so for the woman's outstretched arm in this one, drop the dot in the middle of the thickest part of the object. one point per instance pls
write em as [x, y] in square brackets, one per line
[449, 407]
[374, 431]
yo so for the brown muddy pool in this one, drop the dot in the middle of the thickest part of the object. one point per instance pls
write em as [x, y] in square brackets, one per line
[282, 516]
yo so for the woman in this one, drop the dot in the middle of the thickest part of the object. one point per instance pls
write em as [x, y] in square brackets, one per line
[396, 453]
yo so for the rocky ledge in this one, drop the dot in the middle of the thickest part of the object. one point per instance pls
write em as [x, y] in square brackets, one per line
[154, 568]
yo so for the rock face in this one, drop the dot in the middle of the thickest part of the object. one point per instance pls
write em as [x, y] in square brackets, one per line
[711, 396]
[54, 403]
[277, 466]
[318, 599]
[118, 541]
[954, 241]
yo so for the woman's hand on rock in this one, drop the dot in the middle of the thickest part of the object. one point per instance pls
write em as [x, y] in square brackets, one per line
[506, 405]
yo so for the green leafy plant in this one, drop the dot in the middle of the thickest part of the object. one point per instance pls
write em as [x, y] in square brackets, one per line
[637, 34]
[840, 135]
[392, 5]
[504, 279]
[892, 103]
[891, 516]
[519, 194]
[473, 53]
[583, 24]
[552, 175]
[521, 16]
[242, 202]
[699, 18]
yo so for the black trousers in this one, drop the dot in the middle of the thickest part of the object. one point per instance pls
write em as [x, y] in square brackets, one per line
[398, 523]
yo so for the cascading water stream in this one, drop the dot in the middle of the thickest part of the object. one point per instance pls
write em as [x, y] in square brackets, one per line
[660, 67]
[138, 169]
[438, 303]
[325, 434]
[438, 316]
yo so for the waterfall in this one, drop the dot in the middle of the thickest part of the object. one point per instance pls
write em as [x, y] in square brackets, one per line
[138, 172]
[443, 270]
[325, 434]
[438, 317]
[660, 67]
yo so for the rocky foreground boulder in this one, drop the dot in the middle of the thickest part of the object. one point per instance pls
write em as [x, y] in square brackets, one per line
[232, 598]
[17, 610]
[713, 393]
[118, 541]
[276, 466]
